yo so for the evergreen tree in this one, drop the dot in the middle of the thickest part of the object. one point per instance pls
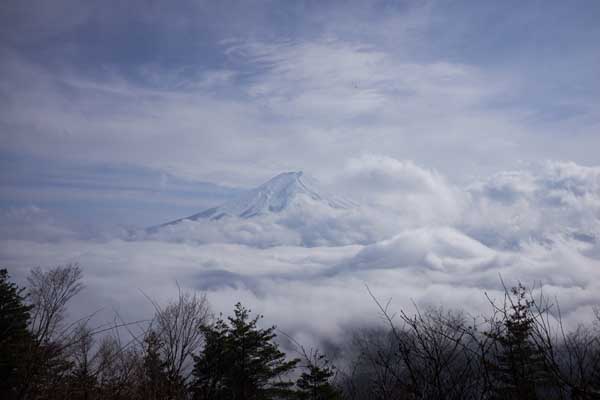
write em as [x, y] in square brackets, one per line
[211, 365]
[15, 339]
[82, 381]
[155, 383]
[314, 384]
[519, 368]
[241, 361]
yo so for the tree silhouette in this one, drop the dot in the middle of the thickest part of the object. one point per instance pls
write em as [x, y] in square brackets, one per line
[518, 368]
[241, 361]
[15, 339]
[315, 382]
[155, 383]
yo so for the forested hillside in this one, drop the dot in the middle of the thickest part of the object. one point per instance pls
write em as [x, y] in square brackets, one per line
[520, 350]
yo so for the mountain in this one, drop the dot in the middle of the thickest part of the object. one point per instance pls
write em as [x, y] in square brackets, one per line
[276, 195]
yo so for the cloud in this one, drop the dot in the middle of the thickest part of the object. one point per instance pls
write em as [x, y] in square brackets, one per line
[35, 224]
[392, 194]
[176, 90]
[306, 223]
[272, 107]
[427, 249]
[318, 291]
[306, 270]
[552, 199]
[541, 204]
[351, 92]
[418, 195]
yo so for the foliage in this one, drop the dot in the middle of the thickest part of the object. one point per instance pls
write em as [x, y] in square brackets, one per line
[155, 381]
[15, 339]
[315, 382]
[518, 368]
[521, 351]
[241, 361]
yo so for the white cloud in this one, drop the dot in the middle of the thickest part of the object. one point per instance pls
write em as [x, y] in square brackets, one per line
[305, 223]
[555, 198]
[319, 291]
[273, 107]
[33, 223]
[394, 195]
[345, 91]
[417, 195]
[316, 291]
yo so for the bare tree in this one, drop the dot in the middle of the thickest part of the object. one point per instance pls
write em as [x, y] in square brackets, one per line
[49, 293]
[119, 368]
[571, 359]
[82, 381]
[177, 326]
[433, 355]
[376, 372]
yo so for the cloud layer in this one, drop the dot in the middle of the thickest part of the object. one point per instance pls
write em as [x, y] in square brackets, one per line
[437, 117]
[307, 269]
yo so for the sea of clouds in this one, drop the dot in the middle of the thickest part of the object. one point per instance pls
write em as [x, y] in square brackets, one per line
[416, 238]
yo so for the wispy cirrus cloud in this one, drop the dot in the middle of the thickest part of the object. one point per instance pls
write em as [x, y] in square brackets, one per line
[123, 112]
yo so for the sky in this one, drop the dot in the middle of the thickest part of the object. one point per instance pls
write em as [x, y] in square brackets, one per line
[471, 128]
[116, 104]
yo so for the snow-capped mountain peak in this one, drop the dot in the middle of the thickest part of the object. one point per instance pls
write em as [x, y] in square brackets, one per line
[273, 196]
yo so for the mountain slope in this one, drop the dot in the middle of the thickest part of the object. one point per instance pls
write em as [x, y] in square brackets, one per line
[276, 195]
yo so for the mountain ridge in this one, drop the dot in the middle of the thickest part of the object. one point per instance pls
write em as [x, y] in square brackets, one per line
[274, 196]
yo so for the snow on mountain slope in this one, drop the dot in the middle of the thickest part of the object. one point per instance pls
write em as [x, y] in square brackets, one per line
[289, 209]
[286, 190]
[509, 211]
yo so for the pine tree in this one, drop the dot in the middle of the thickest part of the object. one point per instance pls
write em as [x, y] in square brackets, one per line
[211, 366]
[15, 339]
[314, 384]
[241, 361]
[155, 383]
[82, 381]
[519, 368]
